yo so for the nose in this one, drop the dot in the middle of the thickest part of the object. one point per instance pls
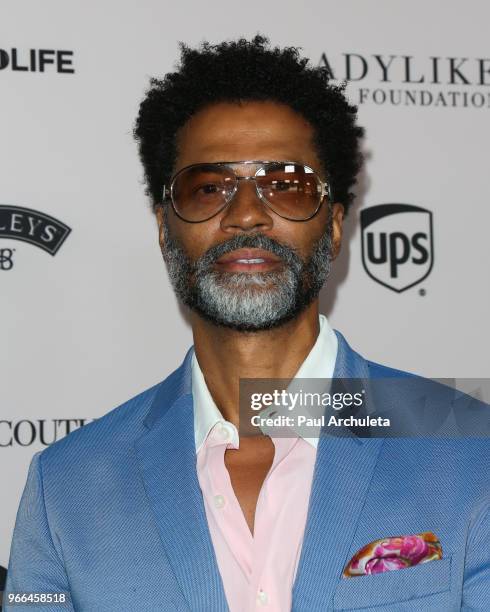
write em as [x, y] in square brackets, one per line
[246, 212]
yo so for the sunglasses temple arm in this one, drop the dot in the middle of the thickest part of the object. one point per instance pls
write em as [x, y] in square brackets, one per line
[327, 191]
[165, 194]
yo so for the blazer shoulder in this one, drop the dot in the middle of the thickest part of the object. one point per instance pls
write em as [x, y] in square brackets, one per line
[351, 364]
[377, 370]
[123, 424]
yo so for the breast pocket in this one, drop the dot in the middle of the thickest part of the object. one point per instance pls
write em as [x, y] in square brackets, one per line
[393, 587]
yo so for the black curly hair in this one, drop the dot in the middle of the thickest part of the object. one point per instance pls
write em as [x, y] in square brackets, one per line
[245, 70]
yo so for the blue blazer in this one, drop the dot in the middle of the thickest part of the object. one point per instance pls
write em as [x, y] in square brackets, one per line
[113, 514]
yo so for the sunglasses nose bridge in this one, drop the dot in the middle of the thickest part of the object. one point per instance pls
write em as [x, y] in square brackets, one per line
[234, 194]
[246, 178]
[245, 207]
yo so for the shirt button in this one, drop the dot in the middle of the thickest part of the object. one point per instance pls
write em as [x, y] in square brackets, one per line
[219, 501]
[262, 598]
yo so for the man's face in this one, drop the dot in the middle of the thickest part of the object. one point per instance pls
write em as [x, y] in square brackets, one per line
[282, 264]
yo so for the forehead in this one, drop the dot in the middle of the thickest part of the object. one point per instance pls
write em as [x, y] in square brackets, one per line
[247, 130]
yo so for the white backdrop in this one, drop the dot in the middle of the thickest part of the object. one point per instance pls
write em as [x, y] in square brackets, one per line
[97, 323]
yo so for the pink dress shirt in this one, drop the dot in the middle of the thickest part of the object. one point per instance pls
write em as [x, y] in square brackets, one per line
[258, 570]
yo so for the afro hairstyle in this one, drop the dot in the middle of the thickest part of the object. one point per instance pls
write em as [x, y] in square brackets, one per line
[240, 71]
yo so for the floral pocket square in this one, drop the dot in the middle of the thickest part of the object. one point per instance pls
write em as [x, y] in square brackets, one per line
[394, 553]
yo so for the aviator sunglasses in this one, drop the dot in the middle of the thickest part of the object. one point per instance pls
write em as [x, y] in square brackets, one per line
[291, 190]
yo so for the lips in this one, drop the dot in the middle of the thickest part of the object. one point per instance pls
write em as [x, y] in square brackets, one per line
[248, 260]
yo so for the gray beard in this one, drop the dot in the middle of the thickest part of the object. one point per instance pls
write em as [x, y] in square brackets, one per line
[245, 301]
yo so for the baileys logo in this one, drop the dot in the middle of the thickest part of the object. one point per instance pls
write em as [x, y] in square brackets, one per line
[32, 226]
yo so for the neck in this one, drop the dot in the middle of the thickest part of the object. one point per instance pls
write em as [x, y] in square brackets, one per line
[226, 355]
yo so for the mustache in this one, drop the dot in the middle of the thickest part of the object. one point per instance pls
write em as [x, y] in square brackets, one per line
[285, 252]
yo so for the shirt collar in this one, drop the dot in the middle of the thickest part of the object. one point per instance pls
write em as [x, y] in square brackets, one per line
[206, 413]
[319, 363]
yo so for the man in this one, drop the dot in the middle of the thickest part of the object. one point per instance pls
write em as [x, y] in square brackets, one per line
[250, 155]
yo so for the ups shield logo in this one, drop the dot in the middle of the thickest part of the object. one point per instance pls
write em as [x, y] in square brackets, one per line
[397, 244]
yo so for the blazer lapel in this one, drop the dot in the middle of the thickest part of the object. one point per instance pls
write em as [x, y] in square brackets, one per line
[167, 460]
[343, 472]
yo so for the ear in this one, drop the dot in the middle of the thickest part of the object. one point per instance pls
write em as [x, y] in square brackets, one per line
[159, 215]
[337, 224]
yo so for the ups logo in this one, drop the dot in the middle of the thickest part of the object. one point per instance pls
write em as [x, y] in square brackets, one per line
[397, 244]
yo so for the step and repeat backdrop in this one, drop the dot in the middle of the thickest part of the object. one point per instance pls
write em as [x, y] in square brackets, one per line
[88, 318]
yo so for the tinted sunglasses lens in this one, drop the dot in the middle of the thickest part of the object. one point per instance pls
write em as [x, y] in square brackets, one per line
[199, 192]
[292, 190]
